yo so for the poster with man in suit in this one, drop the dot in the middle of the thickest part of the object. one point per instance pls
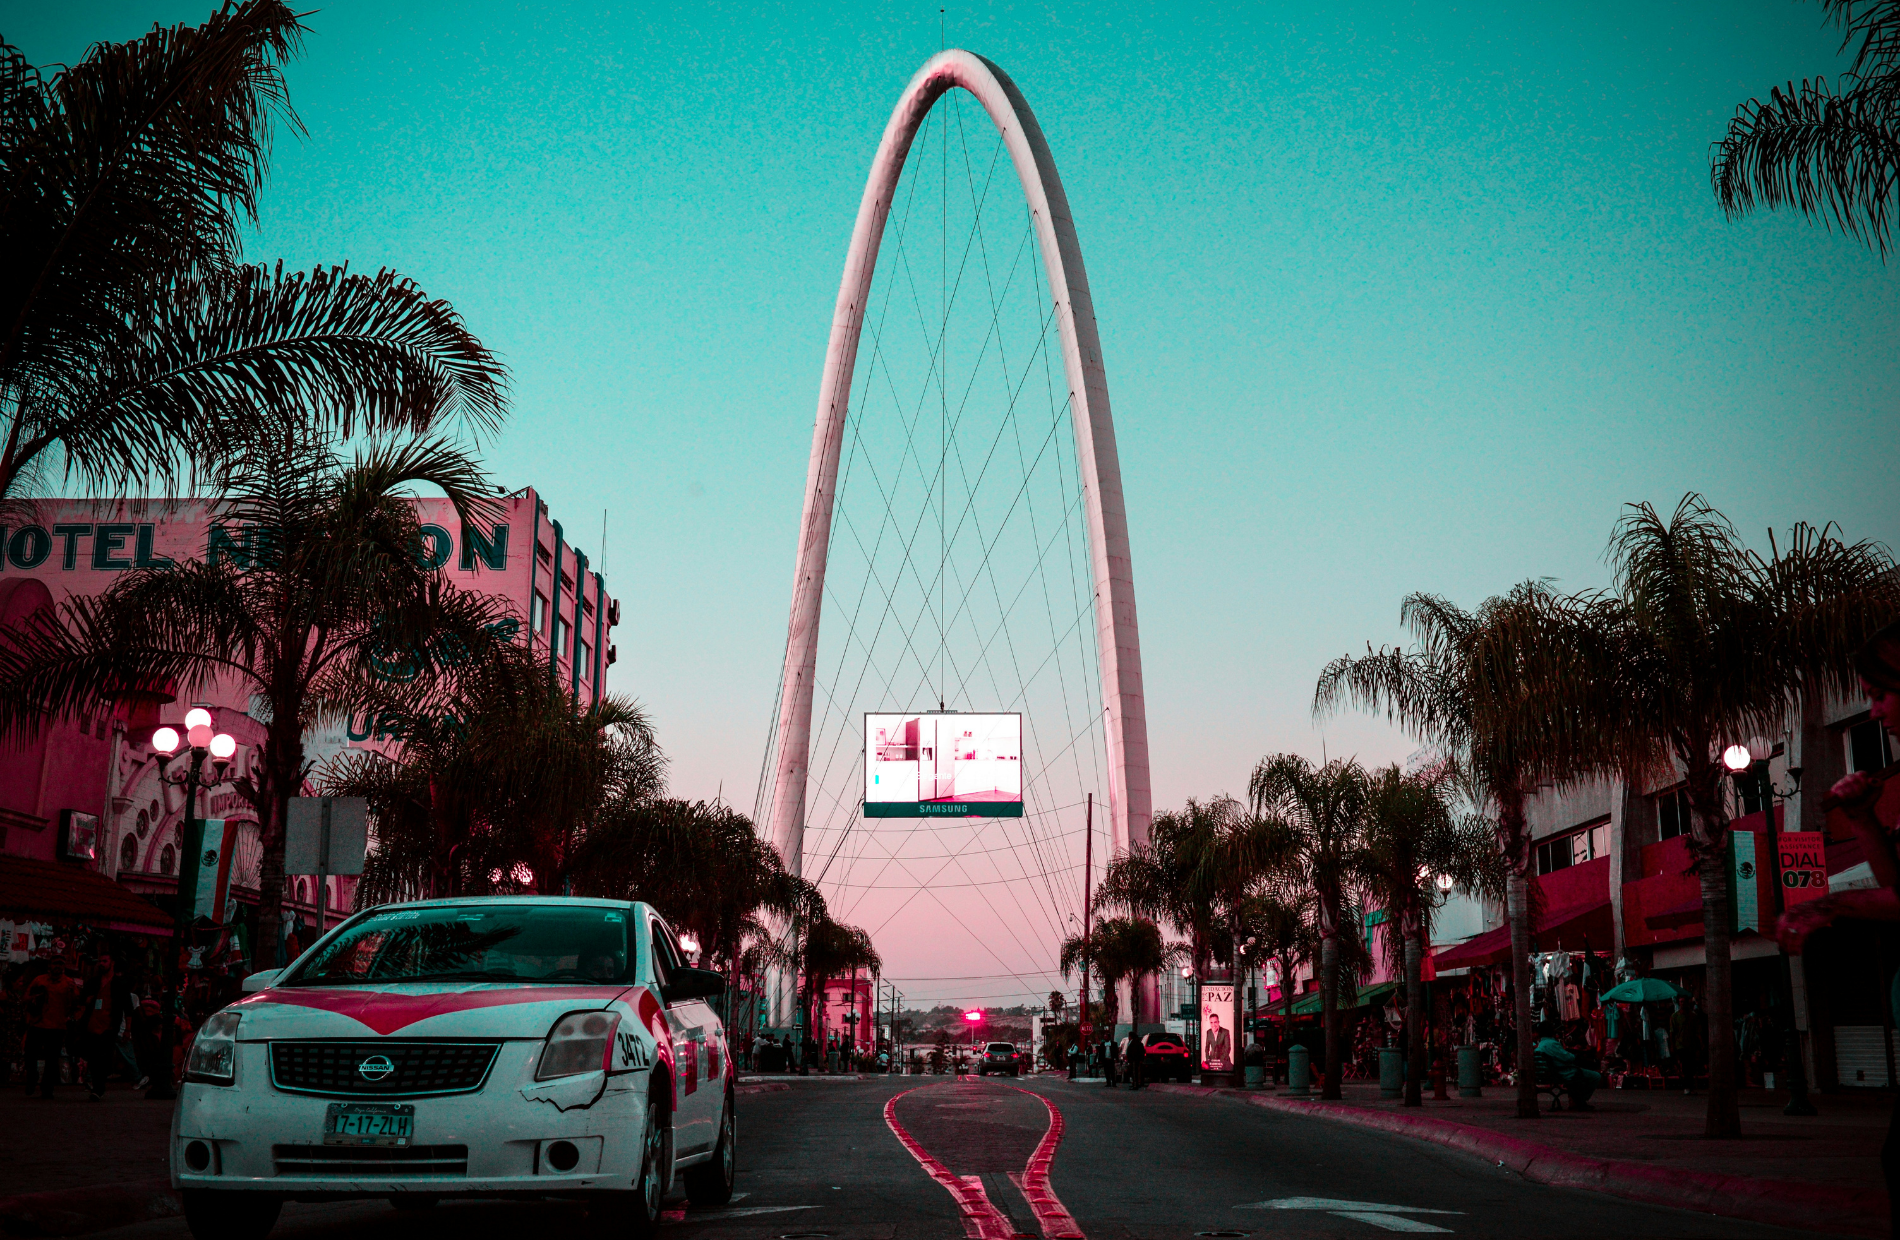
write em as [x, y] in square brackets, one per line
[1217, 1040]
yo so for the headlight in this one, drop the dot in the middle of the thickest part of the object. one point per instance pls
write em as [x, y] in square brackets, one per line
[579, 1042]
[213, 1059]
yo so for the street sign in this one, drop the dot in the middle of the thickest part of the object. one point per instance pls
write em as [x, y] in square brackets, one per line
[326, 835]
[1803, 866]
[1087, 1028]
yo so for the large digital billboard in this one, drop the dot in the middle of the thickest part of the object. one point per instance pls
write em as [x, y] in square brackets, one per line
[942, 764]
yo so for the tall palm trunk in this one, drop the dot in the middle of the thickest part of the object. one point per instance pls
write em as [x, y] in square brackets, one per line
[1724, 1118]
[280, 777]
[1414, 1009]
[1329, 1010]
[1517, 899]
[1514, 844]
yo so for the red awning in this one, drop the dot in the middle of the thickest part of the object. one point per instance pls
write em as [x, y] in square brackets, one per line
[1564, 928]
[1683, 913]
[47, 890]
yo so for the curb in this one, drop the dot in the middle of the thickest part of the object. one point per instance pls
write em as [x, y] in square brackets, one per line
[76, 1211]
[763, 1087]
[1784, 1203]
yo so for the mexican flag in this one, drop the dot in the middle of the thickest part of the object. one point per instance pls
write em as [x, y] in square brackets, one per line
[205, 879]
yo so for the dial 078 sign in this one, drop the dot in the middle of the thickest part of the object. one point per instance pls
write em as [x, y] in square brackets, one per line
[1803, 866]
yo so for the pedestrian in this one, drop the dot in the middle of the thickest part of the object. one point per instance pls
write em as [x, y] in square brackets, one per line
[1857, 795]
[1137, 1061]
[93, 1032]
[52, 1005]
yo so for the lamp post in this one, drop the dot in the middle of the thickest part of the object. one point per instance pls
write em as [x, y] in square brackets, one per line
[1191, 984]
[220, 746]
[1749, 764]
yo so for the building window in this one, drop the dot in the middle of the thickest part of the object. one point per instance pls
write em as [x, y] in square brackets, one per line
[144, 824]
[587, 659]
[1575, 848]
[540, 616]
[129, 853]
[560, 636]
[167, 859]
[1672, 814]
[1868, 747]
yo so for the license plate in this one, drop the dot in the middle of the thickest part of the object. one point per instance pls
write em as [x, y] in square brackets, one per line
[369, 1123]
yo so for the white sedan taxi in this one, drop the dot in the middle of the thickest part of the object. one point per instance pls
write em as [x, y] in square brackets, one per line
[483, 1047]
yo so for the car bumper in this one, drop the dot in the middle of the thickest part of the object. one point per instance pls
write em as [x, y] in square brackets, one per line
[250, 1136]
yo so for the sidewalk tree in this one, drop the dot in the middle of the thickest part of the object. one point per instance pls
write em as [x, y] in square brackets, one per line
[1315, 819]
[1198, 864]
[1412, 837]
[499, 776]
[1478, 687]
[1704, 644]
[1118, 948]
[1832, 151]
[328, 594]
[133, 345]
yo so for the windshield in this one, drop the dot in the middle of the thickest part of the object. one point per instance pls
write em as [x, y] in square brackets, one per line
[1001, 1048]
[476, 943]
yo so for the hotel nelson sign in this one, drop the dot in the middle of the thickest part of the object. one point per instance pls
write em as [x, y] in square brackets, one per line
[81, 546]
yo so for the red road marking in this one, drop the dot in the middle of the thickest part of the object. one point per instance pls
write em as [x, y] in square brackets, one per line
[980, 1219]
[1054, 1219]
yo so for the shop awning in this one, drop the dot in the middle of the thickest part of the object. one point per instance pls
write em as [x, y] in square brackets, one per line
[49, 891]
[1682, 913]
[1367, 994]
[1564, 928]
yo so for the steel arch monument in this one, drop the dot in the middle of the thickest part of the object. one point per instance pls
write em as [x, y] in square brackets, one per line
[1118, 645]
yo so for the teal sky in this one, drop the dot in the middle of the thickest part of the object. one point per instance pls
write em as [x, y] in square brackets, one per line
[1394, 297]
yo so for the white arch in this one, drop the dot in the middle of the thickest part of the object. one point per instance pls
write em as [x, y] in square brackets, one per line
[1117, 642]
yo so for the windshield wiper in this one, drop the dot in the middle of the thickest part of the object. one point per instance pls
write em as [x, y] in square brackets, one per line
[464, 975]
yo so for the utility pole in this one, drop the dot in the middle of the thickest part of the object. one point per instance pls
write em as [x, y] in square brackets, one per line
[1082, 1029]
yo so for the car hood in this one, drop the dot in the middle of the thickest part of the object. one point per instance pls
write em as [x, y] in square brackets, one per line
[436, 1010]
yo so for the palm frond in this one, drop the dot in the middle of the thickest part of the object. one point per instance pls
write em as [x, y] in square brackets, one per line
[1834, 155]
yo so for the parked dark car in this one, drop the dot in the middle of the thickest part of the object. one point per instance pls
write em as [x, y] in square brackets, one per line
[1000, 1057]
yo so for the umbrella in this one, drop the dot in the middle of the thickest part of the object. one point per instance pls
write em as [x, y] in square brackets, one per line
[1643, 990]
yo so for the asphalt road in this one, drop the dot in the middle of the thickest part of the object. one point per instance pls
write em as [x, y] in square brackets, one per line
[819, 1160]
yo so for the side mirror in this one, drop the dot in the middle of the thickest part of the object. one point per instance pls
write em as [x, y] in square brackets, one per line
[261, 980]
[691, 983]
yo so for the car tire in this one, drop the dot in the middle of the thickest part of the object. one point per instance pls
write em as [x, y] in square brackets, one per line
[220, 1214]
[711, 1182]
[635, 1215]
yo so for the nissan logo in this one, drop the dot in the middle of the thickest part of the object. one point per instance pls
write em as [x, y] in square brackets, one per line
[375, 1068]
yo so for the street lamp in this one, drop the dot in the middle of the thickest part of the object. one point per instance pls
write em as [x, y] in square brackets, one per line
[221, 746]
[1748, 764]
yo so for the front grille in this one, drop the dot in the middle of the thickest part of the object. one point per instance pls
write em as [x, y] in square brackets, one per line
[416, 1068]
[371, 1162]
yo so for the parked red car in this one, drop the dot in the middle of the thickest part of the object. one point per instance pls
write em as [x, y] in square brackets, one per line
[1168, 1058]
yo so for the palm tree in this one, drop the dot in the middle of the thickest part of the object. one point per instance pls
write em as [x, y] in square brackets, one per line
[1831, 151]
[1413, 838]
[1117, 948]
[332, 598]
[1283, 922]
[1704, 644]
[131, 342]
[499, 773]
[1185, 874]
[1480, 688]
[1318, 816]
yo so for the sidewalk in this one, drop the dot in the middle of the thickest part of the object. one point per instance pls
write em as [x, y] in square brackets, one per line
[78, 1166]
[1818, 1172]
